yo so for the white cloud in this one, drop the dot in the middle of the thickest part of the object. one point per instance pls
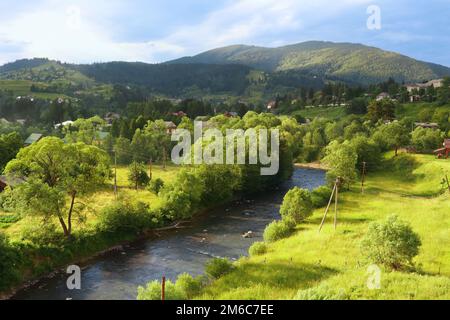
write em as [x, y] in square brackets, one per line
[84, 31]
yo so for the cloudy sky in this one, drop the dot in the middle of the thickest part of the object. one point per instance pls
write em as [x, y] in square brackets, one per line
[85, 31]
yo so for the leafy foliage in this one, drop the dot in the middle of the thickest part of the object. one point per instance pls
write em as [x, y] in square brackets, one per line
[297, 204]
[218, 267]
[392, 243]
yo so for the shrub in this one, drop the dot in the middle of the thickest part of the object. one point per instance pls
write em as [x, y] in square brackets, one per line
[156, 185]
[126, 217]
[9, 258]
[278, 230]
[153, 291]
[258, 248]
[188, 285]
[297, 204]
[41, 233]
[321, 196]
[392, 243]
[218, 267]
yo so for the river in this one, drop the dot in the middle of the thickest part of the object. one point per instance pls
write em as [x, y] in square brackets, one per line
[116, 276]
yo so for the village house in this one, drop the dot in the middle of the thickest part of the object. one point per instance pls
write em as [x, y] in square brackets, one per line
[170, 127]
[110, 117]
[34, 137]
[437, 83]
[426, 125]
[272, 105]
[9, 181]
[382, 96]
[179, 114]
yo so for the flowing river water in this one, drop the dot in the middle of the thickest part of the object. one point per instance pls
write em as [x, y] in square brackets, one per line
[218, 233]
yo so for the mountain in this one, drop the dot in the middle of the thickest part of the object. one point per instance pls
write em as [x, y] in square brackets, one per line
[348, 62]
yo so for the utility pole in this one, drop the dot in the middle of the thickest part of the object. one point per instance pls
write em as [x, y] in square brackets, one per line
[363, 177]
[163, 288]
[150, 168]
[164, 158]
[115, 173]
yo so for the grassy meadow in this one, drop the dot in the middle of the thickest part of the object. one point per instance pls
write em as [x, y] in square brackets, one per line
[13, 225]
[330, 263]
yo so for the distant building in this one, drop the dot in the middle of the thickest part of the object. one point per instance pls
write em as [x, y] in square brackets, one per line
[10, 181]
[417, 86]
[179, 114]
[426, 125]
[63, 124]
[111, 116]
[170, 127]
[382, 96]
[230, 114]
[34, 137]
[272, 105]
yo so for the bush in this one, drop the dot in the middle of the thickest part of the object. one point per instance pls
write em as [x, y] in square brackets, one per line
[126, 218]
[297, 204]
[9, 258]
[321, 196]
[153, 291]
[218, 267]
[258, 248]
[392, 243]
[156, 185]
[278, 230]
[188, 285]
[42, 234]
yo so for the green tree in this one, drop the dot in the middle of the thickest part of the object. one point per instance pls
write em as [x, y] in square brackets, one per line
[392, 136]
[427, 140]
[297, 204]
[10, 145]
[57, 173]
[341, 158]
[137, 175]
[381, 110]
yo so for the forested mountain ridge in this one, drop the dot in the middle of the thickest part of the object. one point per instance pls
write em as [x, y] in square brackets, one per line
[352, 63]
[237, 71]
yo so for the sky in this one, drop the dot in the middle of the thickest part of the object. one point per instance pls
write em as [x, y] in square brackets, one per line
[86, 31]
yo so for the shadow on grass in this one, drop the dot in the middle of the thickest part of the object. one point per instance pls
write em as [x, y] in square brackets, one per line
[281, 275]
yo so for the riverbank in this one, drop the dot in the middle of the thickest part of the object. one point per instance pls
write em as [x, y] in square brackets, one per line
[330, 265]
[312, 165]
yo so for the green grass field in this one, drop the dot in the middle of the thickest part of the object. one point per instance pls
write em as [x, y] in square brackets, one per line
[96, 202]
[331, 261]
[23, 88]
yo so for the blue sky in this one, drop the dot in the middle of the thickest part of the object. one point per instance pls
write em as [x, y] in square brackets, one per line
[85, 31]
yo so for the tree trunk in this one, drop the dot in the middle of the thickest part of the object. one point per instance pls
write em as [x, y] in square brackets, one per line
[63, 225]
[396, 151]
[69, 217]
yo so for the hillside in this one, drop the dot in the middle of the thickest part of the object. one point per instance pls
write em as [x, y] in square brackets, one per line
[353, 63]
[330, 264]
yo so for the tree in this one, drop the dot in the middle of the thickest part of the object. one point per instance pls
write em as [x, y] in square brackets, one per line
[56, 172]
[357, 106]
[392, 136]
[391, 242]
[381, 110]
[297, 204]
[10, 145]
[341, 158]
[426, 140]
[137, 174]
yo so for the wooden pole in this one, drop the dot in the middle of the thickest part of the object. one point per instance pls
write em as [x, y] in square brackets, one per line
[328, 207]
[164, 158]
[150, 173]
[363, 177]
[336, 203]
[163, 288]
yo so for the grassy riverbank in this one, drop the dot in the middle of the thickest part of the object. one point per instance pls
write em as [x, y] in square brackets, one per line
[330, 263]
